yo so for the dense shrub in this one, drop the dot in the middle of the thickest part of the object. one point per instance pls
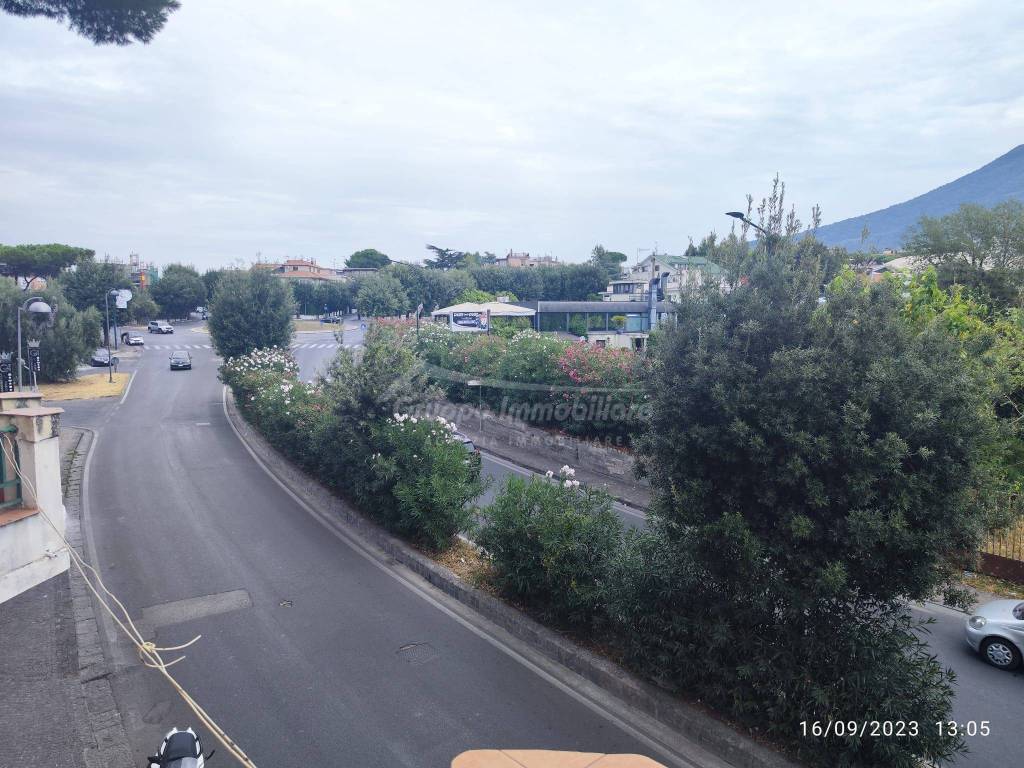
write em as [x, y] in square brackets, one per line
[412, 475]
[550, 540]
[431, 477]
[752, 655]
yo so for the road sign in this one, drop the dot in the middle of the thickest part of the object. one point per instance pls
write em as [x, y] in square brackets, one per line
[34, 361]
[6, 373]
[123, 297]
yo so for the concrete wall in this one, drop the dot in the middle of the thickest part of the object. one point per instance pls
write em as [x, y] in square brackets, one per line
[31, 551]
[542, 450]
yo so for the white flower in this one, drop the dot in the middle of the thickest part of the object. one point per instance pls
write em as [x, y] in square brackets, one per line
[549, 474]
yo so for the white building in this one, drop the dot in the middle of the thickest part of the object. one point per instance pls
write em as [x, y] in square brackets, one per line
[684, 272]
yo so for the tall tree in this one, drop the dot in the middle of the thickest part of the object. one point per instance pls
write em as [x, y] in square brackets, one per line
[368, 258]
[446, 258]
[814, 465]
[210, 279]
[179, 291]
[608, 261]
[430, 287]
[250, 310]
[28, 263]
[382, 295]
[102, 21]
[89, 282]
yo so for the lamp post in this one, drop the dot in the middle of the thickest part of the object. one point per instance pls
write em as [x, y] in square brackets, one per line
[34, 306]
[769, 238]
[106, 305]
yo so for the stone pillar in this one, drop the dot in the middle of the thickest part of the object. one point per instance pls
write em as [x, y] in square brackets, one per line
[30, 550]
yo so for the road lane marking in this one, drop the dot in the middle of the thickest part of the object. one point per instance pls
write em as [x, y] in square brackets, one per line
[191, 608]
[418, 586]
[128, 388]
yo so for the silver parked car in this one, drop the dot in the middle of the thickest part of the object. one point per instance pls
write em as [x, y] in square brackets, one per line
[996, 631]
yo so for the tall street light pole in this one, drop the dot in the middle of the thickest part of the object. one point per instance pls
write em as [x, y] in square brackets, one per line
[769, 238]
[106, 305]
[35, 306]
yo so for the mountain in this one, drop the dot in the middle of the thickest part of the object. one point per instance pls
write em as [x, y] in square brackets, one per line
[1001, 179]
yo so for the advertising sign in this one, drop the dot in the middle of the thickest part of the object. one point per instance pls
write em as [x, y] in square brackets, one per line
[469, 321]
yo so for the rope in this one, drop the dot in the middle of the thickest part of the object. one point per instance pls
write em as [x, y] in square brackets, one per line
[149, 653]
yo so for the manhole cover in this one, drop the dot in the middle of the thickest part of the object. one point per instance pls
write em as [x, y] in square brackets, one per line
[417, 653]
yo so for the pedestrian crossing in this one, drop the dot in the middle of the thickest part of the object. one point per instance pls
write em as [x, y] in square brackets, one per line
[307, 345]
[178, 346]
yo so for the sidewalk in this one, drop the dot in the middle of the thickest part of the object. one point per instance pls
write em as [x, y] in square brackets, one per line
[56, 705]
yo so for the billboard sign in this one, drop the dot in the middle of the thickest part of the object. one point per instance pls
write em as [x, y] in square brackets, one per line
[469, 321]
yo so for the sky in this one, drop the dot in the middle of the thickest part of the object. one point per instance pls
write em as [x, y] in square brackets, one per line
[315, 128]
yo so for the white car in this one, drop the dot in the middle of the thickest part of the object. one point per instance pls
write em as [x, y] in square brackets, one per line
[996, 631]
[155, 326]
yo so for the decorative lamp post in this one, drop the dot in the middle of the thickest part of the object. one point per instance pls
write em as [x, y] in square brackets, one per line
[40, 311]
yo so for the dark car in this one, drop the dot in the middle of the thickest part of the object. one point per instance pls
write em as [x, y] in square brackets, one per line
[100, 358]
[181, 361]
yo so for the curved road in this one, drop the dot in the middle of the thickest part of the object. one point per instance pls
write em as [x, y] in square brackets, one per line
[311, 653]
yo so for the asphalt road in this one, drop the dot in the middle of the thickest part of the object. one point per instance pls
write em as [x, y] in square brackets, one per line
[314, 671]
[311, 654]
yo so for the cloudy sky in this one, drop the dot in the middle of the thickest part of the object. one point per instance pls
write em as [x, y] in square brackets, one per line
[319, 127]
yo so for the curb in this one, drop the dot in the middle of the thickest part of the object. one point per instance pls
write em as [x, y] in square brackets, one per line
[103, 730]
[709, 733]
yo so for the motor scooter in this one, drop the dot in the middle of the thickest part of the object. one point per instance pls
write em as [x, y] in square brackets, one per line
[180, 749]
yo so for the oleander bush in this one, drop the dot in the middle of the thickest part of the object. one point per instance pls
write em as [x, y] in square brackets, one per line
[550, 540]
[431, 478]
[576, 387]
[411, 475]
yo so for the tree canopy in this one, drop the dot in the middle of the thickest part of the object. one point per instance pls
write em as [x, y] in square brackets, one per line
[381, 295]
[26, 263]
[101, 21]
[179, 291]
[250, 310]
[609, 261]
[981, 248]
[368, 258]
[430, 287]
[88, 284]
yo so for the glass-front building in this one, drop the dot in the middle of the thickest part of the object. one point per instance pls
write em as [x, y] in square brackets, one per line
[582, 317]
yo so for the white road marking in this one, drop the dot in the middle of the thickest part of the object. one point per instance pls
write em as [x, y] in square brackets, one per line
[128, 388]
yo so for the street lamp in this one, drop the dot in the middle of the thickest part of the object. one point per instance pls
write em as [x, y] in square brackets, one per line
[769, 238]
[40, 310]
[106, 304]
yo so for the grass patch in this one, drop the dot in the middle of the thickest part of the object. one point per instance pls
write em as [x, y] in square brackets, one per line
[468, 564]
[1000, 587]
[314, 325]
[87, 387]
